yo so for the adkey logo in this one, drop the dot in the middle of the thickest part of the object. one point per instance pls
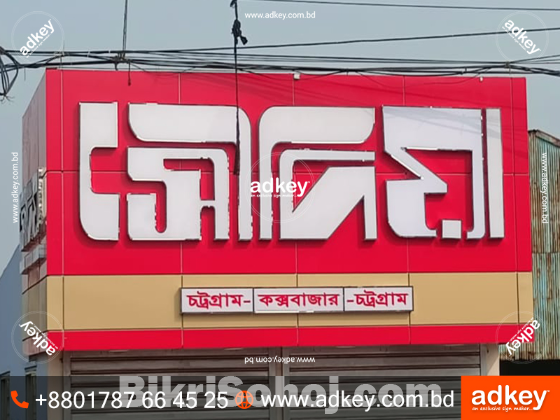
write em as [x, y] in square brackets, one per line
[524, 335]
[35, 31]
[528, 30]
[28, 338]
[512, 396]
[520, 37]
[276, 188]
[508, 397]
[36, 39]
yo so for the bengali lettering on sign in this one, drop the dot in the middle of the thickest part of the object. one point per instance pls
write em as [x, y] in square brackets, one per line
[378, 299]
[216, 300]
[299, 300]
[32, 211]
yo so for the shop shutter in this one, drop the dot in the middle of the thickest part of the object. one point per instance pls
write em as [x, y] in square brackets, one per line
[442, 365]
[98, 371]
[401, 365]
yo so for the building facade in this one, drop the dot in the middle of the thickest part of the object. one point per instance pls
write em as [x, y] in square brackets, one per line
[544, 153]
[381, 225]
[13, 366]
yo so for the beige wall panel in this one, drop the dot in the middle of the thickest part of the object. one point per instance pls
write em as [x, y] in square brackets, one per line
[24, 303]
[239, 320]
[351, 319]
[351, 280]
[24, 282]
[43, 270]
[240, 280]
[55, 302]
[121, 302]
[525, 290]
[36, 299]
[463, 298]
[43, 305]
[33, 276]
[24, 311]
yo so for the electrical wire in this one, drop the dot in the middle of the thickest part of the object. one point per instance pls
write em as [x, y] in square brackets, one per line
[325, 43]
[214, 63]
[222, 59]
[5, 81]
[412, 6]
[179, 60]
[379, 40]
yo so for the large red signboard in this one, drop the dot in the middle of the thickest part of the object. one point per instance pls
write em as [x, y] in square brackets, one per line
[371, 174]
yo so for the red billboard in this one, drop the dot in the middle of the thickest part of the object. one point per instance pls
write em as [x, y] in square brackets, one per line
[330, 174]
[324, 210]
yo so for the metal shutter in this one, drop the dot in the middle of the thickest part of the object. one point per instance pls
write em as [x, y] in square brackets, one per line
[442, 365]
[92, 371]
[377, 366]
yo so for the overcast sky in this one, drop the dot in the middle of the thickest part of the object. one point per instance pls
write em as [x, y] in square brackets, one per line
[167, 24]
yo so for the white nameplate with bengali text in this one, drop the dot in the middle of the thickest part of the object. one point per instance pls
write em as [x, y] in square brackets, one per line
[206, 301]
[378, 299]
[299, 300]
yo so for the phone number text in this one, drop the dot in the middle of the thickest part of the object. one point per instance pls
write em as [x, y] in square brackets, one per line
[149, 400]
